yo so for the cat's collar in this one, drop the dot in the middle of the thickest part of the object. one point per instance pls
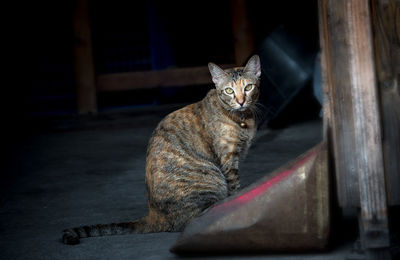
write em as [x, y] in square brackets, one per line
[242, 120]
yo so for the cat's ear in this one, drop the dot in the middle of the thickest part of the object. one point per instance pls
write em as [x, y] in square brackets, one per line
[218, 75]
[253, 66]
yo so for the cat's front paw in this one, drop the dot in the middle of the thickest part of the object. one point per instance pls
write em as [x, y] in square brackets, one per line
[70, 237]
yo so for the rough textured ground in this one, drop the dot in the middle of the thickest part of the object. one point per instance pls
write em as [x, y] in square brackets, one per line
[91, 170]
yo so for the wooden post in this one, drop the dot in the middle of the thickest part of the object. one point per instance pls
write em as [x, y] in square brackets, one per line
[338, 115]
[354, 116]
[368, 137]
[242, 32]
[386, 26]
[83, 60]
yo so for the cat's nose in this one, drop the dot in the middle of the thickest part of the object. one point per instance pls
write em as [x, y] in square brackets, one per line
[240, 101]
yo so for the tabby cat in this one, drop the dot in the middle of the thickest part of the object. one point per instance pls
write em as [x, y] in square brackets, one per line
[193, 155]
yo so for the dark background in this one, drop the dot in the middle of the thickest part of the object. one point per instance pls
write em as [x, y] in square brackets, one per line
[132, 36]
[126, 36]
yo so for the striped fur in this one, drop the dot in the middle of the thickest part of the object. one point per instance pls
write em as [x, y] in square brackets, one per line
[193, 155]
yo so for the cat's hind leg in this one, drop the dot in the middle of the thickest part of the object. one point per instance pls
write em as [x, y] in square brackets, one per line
[198, 198]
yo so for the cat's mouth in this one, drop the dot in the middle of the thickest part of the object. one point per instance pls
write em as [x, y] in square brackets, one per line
[241, 108]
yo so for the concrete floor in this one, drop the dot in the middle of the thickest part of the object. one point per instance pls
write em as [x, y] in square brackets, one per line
[90, 170]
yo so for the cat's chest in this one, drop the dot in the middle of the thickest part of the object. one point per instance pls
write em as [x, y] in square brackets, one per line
[235, 134]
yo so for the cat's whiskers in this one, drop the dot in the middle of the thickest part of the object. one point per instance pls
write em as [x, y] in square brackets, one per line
[260, 105]
[257, 111]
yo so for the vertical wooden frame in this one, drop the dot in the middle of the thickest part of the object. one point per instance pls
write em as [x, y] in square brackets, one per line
[367, 125]
[83, 59]
[352, 113]
[242, 32]
[338, 115]
[386, 29]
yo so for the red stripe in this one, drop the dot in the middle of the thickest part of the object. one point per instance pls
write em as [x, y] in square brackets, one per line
[260, 189]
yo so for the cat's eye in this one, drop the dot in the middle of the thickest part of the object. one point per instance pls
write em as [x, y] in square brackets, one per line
[228, 91]
[248, 87]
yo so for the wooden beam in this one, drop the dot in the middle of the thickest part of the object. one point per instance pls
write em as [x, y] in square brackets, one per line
[338, 115]
[242, 32]
[368, 136]
[176, 77]
[355, 114]
[83, 59]
[387, 53]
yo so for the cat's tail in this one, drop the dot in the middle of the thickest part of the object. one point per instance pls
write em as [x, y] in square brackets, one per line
[73, 235]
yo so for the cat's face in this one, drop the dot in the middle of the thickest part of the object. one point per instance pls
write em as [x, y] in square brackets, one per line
[237, 88]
